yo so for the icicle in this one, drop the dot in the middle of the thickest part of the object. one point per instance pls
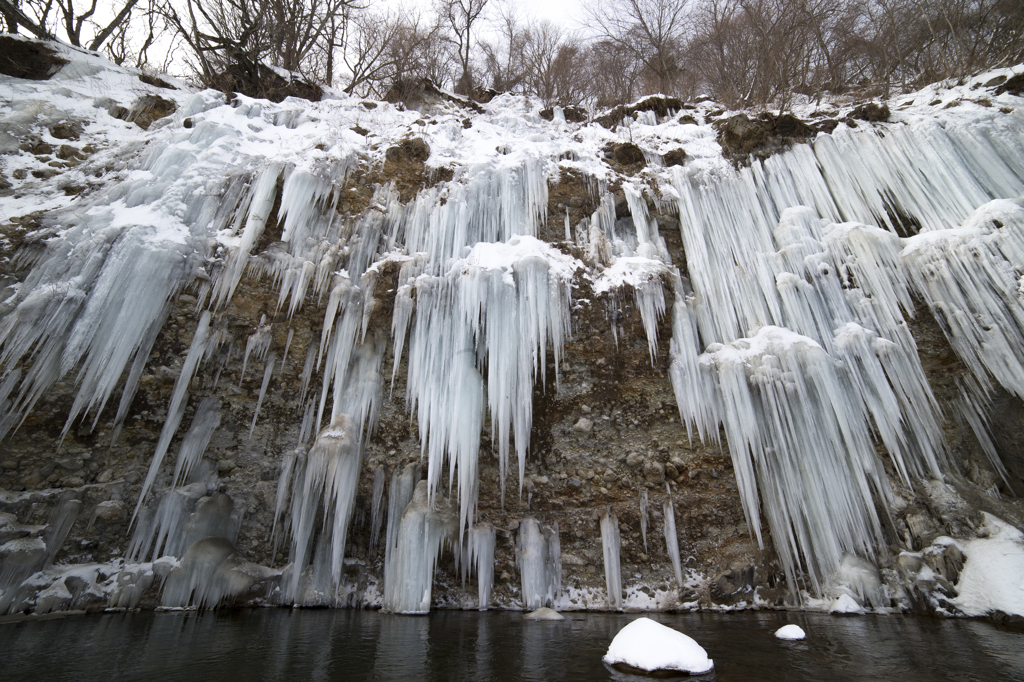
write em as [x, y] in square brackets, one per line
[258, 342]
[671, 538]
[177, 405]
[400, 492]
[204, 422]
[610, 542]
[307, 422]
[643, 516]
[63, 516]
[969, 279]
[481, 540]
[324, 488]
[267, 373]
[377, 506]
[499, 307]
[287, 347]
[539, 559]
[211, 573]
[307, 373]
[258, 206]
[424, 528]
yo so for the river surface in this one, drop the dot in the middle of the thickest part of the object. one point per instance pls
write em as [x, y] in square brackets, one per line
[302, 644]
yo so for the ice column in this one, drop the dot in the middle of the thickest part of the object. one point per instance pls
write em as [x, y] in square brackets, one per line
[426, 525]
[539, 558]
[611, 543]
[323, 486]
[479, 557]
[671, 538]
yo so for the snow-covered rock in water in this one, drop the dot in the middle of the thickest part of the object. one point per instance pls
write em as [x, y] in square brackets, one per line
[651, 646]
[544, 613]
[790, 631]
[845, 604]
[993, 576]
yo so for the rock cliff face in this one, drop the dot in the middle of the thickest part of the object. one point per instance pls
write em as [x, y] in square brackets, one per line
[605, 430]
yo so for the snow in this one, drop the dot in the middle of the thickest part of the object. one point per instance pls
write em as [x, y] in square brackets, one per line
[651, 646]
[992, 578]
[790, 632]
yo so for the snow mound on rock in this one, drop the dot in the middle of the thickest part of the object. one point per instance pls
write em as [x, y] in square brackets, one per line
[993, 577]
[845, 604]
[790, 631]
[651, 646]
[544, 613]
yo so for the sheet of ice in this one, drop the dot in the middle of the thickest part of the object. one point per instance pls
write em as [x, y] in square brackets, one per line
[651, 646]
[791, 632]
[992, 579]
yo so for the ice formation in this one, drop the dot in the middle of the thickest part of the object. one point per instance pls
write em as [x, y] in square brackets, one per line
[539, 559]
[789, 330]
[425, 527]
[672, 538]
[611, 544]
[479, 558]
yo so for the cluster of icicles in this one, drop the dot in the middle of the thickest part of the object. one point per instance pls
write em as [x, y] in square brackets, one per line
[789, 329]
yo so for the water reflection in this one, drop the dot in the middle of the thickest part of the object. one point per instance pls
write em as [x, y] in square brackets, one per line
[295, 644]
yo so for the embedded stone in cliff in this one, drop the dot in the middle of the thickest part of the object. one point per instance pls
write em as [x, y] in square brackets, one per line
[414, 151]
[872, 112]
[652, 647]
[28, 59]
[676, 157]
[660, 105]
[149, 108]
[155, 82]
[1014, 85]
[260, 81]
[625, 154]
[570, 114]
[66, 130]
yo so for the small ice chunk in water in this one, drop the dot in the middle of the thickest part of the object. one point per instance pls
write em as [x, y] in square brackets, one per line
[651, 646]
[790, 631]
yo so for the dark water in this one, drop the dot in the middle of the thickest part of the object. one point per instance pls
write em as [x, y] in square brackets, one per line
[283, 644]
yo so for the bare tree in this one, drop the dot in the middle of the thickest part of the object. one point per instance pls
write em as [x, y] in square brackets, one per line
[388, 54]
[505, 58]
[652, 31]
[555, 68]
[77, 23]
[461, 17]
